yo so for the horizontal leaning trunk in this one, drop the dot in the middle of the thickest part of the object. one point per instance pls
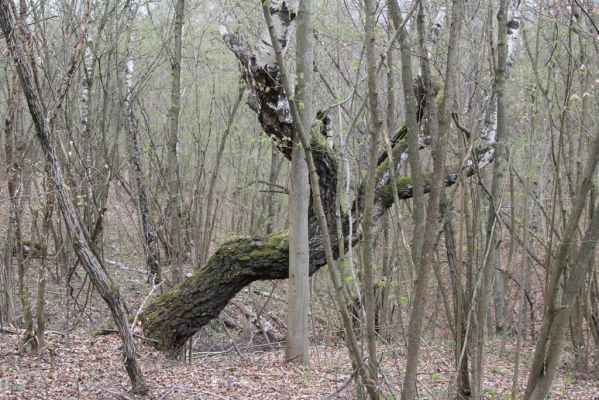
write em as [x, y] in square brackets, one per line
[172, 318]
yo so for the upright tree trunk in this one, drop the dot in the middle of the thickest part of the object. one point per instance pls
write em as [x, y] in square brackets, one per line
[7, 306]
[375, 128]
[15, 236]
[174, 189]
[439, 135]
[306, 138]
[152, 247]
[88, 207]
[297, 348]
[41, 282]
[499, 169]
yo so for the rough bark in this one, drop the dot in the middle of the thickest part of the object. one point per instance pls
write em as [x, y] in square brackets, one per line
[182, 311]
[101, 280]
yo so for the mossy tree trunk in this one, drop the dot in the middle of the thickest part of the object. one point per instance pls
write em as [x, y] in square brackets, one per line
[179, 313]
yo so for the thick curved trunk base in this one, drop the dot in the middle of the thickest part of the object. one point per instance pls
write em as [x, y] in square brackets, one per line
[179, 313]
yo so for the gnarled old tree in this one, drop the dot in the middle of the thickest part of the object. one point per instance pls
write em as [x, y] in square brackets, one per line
[172, 318]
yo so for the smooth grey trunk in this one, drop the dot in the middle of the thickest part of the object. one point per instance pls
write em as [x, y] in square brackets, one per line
[439, 135]
[305, 139]
[411, 113]
[297, 349]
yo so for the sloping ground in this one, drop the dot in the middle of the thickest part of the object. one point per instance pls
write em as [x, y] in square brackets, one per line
[91, 369]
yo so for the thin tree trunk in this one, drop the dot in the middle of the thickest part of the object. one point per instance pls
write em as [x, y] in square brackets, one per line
[305, 138]
[15, 237]
[7, 303]
[107, 289]
[152, 248]
[376, 126]
[439, 135]
[41, 283]
[174, 189]
[210, 209]
[499, 169]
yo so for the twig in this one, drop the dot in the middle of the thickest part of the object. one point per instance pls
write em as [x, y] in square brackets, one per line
[118, 394]
[74, 65]
[342, 387]
[230, 338]
[386, 380]
[144, 303]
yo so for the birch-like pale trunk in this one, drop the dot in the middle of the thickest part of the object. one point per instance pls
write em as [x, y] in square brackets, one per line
[152, 247]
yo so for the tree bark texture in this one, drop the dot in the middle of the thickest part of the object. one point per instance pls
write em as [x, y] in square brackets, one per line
[297, 349]
[173, 171]
[179, 313]
[101, 280]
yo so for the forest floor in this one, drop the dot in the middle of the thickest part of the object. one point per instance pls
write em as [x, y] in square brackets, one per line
[230, 357]
[239, 363]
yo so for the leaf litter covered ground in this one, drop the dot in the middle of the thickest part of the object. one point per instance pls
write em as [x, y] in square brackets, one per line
[91, 368]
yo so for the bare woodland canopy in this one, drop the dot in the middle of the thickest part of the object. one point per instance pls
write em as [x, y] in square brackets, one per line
[450, 149]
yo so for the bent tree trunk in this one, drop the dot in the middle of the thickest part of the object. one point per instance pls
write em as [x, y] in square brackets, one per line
[101, 280]
[172, 318]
